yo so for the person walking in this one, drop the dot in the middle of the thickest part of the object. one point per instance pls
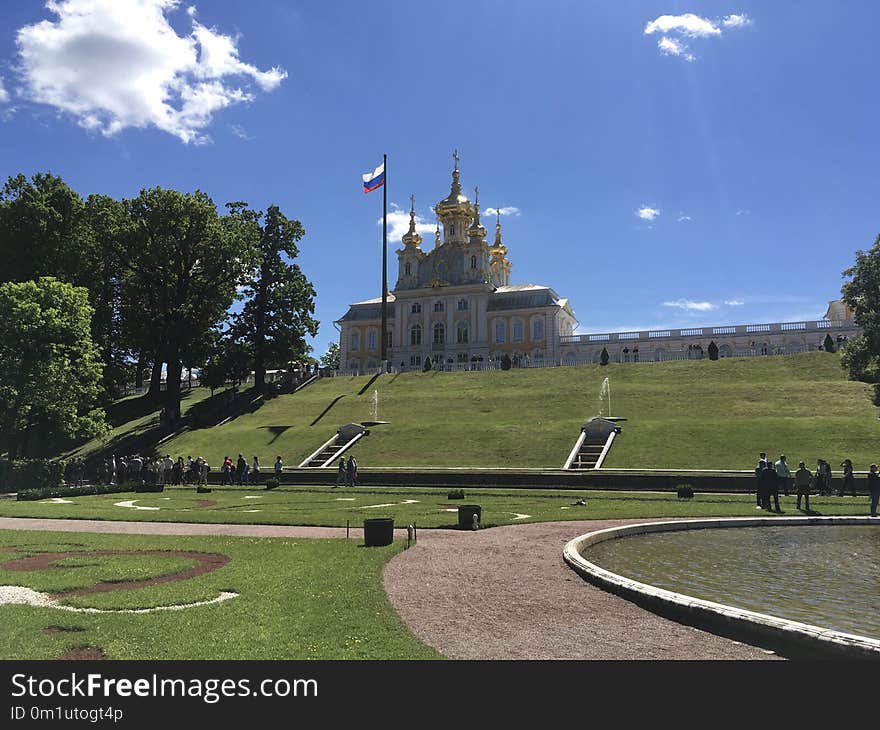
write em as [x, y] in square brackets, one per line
[113, 469]
[352, 471]
[226, 471]
[762, 463]
[784, 474]
[849, 480]
[203, 468]
[802, 480]
[342, 474]
[874, 488]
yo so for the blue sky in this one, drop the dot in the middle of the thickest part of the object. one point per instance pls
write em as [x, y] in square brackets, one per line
[671, 164]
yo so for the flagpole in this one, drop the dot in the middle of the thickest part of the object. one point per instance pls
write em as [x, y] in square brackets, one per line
[384, 260]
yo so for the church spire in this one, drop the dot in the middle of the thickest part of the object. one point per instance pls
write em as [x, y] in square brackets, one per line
[437, 234]
[411, 237]
[477, 231]
[498, 229]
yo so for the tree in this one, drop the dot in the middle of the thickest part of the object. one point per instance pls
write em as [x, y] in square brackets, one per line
[603, 358]
[505, 362]
[49, 367]
[279, 305]
[862, 294]
[330, 359]
[185, 262]
[427, 366]
[713, 350]
[828, 343]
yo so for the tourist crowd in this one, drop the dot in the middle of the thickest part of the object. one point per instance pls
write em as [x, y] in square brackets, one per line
[773, 476]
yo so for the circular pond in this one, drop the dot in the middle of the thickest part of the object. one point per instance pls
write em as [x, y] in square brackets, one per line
[824, 575]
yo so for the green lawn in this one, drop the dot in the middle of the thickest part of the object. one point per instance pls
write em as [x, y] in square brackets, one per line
[297, 599]
[680, 415]
[424, 507]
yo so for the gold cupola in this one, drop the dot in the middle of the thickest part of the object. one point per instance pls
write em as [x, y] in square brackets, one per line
[412, 239]
[498, 250]
[455, 203]
[477, 231]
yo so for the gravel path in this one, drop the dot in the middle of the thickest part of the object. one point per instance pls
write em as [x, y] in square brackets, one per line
[506, 593]
[503, 593]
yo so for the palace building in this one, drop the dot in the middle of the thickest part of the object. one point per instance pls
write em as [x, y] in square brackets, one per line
[453, 303]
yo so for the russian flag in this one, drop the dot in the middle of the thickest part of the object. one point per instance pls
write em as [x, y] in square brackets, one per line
[374, 179]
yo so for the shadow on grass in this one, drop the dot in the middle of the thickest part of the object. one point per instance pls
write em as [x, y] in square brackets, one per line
[327, 409]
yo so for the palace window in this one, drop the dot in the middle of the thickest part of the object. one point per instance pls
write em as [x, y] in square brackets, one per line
[462, 305]
[461, 333]
[415, 335]
[354, 341]
[439, 333]
[407, 269]
[499, 332]
[371, 340]
[538, 330]
[414, 361]
[416, 308]
[473, 262]
[451, 229]
[517, 331]
[438, 307]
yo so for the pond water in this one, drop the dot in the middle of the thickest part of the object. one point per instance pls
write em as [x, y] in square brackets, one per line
[825, 575]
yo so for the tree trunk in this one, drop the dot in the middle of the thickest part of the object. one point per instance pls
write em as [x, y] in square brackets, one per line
[155, 380]
[172, 391]
[139, 371]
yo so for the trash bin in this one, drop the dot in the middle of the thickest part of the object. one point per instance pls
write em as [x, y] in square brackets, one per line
[378, 532]
[466, 514]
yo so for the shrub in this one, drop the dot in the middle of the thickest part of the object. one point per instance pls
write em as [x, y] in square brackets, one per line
[505, 362]
[16, 476]
[272, 483]
[828, 344]
[30, 495]
[203, 490]
[684, 491]
[455, 494]
[427, 366]
[713, 350]
[603, 358]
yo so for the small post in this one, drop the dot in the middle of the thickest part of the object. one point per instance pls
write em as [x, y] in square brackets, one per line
[346, 529]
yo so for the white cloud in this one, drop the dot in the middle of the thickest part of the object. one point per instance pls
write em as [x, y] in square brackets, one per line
[114, 64]
[743, 212]
[683, 218]
[736, 21]
[398, 224]
[734, 302]
[191, 11]
[4, 95]
[671, 47]
[239, 131]
[690, 306]
[677, 30]
[647, 213]
[688, 24]
[507, 210]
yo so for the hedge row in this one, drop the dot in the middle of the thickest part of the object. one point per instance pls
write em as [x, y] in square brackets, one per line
[29, 495]
[35, 474]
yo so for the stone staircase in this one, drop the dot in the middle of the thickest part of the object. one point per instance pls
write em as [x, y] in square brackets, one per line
[592, 445]
[326, 456]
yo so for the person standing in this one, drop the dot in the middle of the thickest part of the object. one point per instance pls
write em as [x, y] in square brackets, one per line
[762, 464]
[241, 469]
[279, 467]
[202, 467]
[784, 474]
[849, 480]
[802, 479]
[769, 486]
[874, 488]
[226, 471]
[352, 471]
[341, 474]
[255, 469]
[168, 464]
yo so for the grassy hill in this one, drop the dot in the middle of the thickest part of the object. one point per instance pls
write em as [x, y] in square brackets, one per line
[692, 414]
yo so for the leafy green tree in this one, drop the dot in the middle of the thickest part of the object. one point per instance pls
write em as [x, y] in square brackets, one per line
[330, 359]
[862, 294]
[50, 368]
[713, 350]
[277, 314]
[43, 230]
[828, 343]
[185, 262]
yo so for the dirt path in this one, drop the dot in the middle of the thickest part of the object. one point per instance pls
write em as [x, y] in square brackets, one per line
[503, 593]
[506, 593]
